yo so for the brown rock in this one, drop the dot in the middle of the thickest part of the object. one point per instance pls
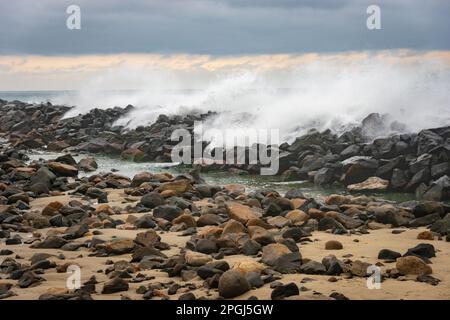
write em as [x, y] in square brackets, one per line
[197, 259]
[104, 208]
[412, 265]
[249, 266]
[371, 184]
[178, 186]
[333, 245]
[359, 268]
[119, 246]
[240, 212]
[297, 216]
[52, 209]
[425, 235]
[185, 218]
[316, 213]
[63, 169]
[272, 252]
[148, 238]
[233, 226]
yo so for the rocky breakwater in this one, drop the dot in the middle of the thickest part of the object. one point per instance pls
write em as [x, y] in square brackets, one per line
[43, 126]
[159, 236]
[417, 163]
[358, 159]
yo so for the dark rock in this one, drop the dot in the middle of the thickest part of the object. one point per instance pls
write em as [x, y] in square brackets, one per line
[313, 267]
[115, 285]
[386, 254]
[422, 250]
[251, 248]
[167, 212]
[232, 284]
[425, 220]
[51, 242]
[428, 207]
[284, 291]
[206, 246]
[28, 279]
[152, 200]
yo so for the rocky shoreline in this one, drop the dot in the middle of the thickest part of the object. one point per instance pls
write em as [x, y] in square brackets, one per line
[358, 159]
[160, 236]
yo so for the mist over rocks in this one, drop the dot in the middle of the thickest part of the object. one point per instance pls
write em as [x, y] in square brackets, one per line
[408, 162]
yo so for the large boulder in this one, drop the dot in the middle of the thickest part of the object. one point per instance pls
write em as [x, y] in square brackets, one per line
[233, 283]
[167, 212]
[240, 212]
[62, 169]
[152, 200]
[412, 265]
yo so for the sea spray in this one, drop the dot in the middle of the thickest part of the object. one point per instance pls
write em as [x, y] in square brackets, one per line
[324, 94]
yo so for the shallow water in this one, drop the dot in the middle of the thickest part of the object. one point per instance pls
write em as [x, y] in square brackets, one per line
[252, 182]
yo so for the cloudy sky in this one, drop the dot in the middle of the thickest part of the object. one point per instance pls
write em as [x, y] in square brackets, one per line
[37, 51]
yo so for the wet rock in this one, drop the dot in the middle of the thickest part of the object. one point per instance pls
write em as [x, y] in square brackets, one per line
[372, 184]
[294, 193]
[398, 179]
[133, 154]
[88, 164]
[141, 178]
[62, 169]
[359, 169]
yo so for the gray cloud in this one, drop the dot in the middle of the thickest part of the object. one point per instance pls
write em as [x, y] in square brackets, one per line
[221, 27]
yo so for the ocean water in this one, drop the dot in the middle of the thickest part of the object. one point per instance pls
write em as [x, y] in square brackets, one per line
[37, 96]
[251, 182]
